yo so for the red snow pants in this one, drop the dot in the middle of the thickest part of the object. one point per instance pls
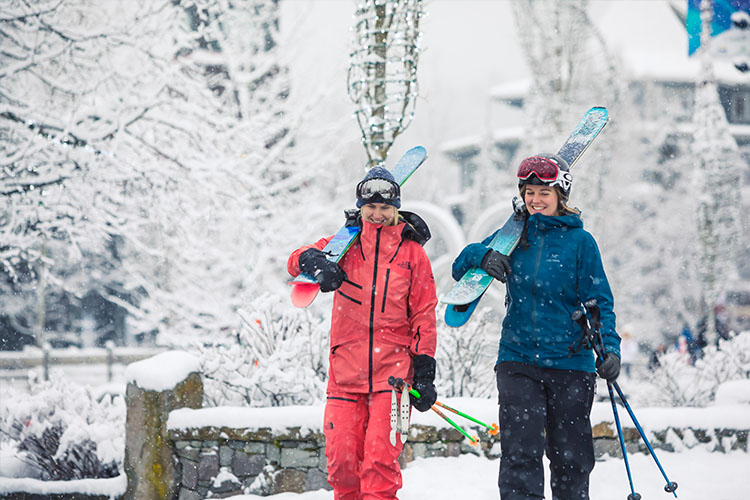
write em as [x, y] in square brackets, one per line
[362, 463]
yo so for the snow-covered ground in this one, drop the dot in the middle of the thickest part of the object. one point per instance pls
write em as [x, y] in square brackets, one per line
[700, 475]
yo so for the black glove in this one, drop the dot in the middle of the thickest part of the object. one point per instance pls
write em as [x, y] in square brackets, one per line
[328, 274]
[424, 375]
[496, 264]
[609, 368]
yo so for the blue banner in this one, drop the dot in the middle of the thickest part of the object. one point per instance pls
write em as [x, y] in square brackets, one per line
[722, 19]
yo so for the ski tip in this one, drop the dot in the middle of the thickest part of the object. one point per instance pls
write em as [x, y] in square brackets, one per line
[303, 294]
[458, 314]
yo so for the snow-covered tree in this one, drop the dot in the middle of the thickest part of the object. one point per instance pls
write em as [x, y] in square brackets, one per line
[383, 71]
[571, 69]
[718, 180]
[679, 383]
[59, 179]
[150, 146]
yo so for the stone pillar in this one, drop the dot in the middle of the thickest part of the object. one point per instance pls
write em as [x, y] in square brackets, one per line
[156, 386]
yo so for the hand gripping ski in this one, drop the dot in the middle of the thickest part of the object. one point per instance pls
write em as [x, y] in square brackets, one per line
[463, 298]
[304, 287]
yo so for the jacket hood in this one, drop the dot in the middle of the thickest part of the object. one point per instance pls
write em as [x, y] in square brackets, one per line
[416, 228]
[544, 222]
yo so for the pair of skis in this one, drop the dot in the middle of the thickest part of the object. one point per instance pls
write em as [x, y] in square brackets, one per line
[304, 287]
[463, 298]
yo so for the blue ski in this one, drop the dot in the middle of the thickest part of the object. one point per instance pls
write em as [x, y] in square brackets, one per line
[463, 298]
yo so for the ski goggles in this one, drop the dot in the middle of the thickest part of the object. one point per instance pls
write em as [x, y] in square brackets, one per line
[545, 169]
[374, 188]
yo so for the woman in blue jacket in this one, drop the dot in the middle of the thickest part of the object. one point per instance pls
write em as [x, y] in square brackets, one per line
[545, 390]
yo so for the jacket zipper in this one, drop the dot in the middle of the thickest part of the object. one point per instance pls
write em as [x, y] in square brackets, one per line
[372, 308]
[533, 294]
[385, 288]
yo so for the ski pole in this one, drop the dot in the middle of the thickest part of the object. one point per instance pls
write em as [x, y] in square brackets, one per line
[472, 440]
[633, 495]
[593, 308]
[671, 485]
[492, 430]
[399, 382]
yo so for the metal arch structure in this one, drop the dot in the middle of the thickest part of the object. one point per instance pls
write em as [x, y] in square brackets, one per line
[382, 75]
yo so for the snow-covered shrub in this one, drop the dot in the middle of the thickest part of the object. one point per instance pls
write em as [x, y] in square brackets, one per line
[466, 356]
[61, 432]
[678, 383]
[278, 357]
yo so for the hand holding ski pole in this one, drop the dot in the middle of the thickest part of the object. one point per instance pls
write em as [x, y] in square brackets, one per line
[474, 440]
[592, 339]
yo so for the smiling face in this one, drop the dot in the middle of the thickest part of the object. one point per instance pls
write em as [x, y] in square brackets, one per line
[379, 213]
[541, 199]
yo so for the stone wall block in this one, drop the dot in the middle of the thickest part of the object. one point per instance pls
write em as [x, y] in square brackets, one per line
[298, 457]
[247, 465]
[288, 481]
[225, 455]
[316, 479]
[186, 494]
[208, 466]
[255, 448]
[189, 474]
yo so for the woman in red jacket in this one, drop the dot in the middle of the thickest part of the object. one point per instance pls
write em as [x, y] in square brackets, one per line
[383, 324]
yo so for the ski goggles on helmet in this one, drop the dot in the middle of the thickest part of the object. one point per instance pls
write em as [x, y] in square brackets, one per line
[378, 188]
[545, 169]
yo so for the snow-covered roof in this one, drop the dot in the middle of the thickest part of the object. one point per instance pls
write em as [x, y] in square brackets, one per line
[511, 92]
[462, 145]
[508, 134]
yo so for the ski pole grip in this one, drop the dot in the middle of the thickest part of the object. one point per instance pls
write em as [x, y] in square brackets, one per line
[398, 383]
[580, 318]
[596, 315]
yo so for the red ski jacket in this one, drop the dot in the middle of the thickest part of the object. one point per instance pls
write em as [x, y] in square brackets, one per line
[384, 312]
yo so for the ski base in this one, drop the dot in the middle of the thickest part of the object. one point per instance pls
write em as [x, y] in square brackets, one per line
[303, 294]
[458, 314]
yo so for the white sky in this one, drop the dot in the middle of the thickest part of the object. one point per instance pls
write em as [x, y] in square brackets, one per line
[468, 47]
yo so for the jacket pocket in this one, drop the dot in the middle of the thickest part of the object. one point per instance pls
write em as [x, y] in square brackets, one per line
[393, 303]
[351, 291]
[350, 363]
[391, 359]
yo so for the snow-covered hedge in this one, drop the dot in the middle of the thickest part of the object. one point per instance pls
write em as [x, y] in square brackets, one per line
[59, 431]
[677, 382]
[466, 356]
[279, 357]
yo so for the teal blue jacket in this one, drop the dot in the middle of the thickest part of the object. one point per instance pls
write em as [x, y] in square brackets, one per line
[559, 271]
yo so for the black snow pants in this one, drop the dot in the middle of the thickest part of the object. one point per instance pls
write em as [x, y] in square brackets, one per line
[542, 409]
